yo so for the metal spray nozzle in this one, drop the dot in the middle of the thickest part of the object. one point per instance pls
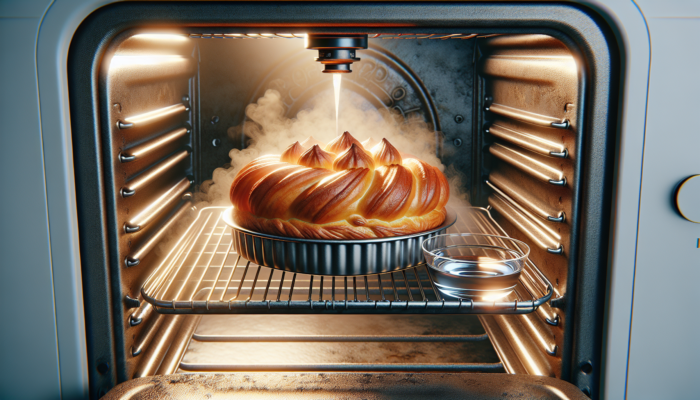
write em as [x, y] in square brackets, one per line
[336, 52]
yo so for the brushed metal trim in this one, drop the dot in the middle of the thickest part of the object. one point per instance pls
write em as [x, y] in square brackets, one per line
[152, 116]
[528, 141]
[528, 164]
[153, 174]
[157, 207]
[527, 116]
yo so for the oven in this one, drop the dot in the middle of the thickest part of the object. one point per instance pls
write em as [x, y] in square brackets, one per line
[548, 120]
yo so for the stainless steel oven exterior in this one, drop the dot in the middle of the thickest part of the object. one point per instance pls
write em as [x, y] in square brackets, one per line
[654, 261]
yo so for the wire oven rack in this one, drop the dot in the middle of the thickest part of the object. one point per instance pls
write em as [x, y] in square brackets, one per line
[203, 274]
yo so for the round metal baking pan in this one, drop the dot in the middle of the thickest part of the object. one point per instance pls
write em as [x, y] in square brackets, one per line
[333, 257]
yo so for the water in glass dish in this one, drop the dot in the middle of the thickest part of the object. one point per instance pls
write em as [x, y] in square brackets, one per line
[473, 266]
[466, 276]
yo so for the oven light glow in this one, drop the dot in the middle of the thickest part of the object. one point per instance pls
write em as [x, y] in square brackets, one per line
[156, 114]
[556, 391]
[124, 61]
[161, 36]
[494, 297]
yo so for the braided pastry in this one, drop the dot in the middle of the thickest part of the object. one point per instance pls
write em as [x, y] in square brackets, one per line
[340, 191]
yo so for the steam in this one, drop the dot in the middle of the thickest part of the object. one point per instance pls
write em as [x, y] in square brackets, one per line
[270, 132]
[336, 94]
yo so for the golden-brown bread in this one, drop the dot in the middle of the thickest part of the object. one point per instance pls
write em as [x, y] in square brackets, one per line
[342, 143]
[316, 158]
[340, 192]
[354, 157]
[292, 154]
[386, 154]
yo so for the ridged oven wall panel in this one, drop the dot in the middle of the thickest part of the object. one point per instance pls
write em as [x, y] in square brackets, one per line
[147, 79]
[532, 92]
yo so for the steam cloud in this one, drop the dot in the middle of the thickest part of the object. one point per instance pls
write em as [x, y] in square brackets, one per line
[271, 132]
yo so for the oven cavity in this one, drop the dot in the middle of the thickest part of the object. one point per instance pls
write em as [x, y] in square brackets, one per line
[505, 116]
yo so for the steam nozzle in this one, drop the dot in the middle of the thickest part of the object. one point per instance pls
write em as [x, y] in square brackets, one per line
[336, 52]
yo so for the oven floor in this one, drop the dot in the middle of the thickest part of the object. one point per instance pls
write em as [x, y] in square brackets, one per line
[296, 353]
[345, 386]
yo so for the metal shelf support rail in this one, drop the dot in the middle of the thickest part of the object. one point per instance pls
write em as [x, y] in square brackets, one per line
[344, 367]
[338, 338]
[203, 274]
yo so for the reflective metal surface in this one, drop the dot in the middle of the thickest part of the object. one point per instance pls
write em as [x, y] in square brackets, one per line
[157, 172]
[158, 207]
[146, 118]
[149, 331]
[151, 117]
[171, 361]
[529, 163]
[152, 146]
[342, 386]
[142, 251]
[339, 338]
[529, 141]
[538, 233]
[526, 116]
[417, 368]
[520, 197]
[154, 354]
[367, 342]
[386, 36]
[535, 153]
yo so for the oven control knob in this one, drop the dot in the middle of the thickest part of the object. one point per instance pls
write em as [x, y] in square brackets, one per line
[688, 199]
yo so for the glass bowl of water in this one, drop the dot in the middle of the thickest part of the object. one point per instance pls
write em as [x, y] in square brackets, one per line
[466, 265]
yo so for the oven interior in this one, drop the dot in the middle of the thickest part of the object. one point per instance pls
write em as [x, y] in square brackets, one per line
[505, 113]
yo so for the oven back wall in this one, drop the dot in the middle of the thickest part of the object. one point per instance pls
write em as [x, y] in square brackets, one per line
[424, 80]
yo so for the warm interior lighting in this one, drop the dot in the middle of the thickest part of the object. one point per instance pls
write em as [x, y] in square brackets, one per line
[496, 296]
[559, 175]
[156, 114]
[161, 36]
[124, 61]
[556, 391]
